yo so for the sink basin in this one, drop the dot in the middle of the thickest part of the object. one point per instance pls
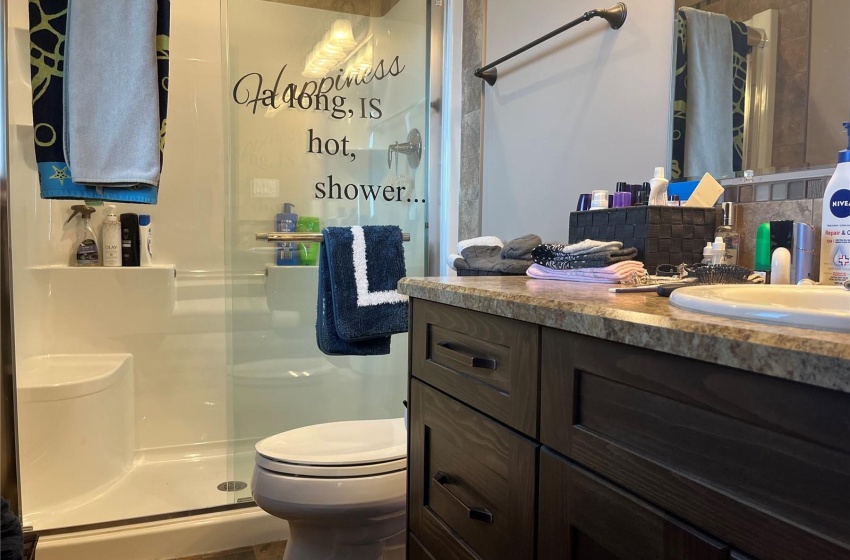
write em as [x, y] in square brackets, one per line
[813, 307]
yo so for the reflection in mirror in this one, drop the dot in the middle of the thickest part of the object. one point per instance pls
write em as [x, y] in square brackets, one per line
[759, 84]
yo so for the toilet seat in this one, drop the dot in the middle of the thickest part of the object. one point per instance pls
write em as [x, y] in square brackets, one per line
[350, 449]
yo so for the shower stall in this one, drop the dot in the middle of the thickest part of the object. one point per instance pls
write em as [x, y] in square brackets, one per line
[140, 392]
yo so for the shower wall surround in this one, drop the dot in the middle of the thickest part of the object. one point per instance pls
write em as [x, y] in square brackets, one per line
[180, 353]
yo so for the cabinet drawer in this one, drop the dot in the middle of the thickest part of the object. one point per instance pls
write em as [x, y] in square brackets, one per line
[488, 362]
[583, 517]
[761, 463]
[471, 481]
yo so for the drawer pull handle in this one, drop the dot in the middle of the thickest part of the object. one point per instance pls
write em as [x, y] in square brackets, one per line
[445, 350]
[474, 513]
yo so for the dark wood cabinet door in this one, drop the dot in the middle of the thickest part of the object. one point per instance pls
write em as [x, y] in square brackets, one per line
[490, 363]
[762, 463]
[583, 517]
[471, 481]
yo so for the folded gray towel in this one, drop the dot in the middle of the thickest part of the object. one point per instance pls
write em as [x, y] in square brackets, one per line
[489, 258]
[521, 247]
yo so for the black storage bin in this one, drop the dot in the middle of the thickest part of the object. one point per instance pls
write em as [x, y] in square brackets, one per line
[661, 234]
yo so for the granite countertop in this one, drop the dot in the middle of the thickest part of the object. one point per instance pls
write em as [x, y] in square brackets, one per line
[644, 319]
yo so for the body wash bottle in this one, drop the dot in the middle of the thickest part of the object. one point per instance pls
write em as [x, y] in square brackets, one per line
[111, 235]
[86, 252]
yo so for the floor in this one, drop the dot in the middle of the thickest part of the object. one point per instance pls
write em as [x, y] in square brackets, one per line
[157, 484]
[268, 551]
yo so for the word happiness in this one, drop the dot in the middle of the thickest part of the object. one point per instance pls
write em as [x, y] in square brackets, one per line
[249, 90]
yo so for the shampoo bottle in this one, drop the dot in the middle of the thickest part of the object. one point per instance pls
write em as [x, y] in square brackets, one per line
[835, 225]
[86, 252]
[287, 221]
[658, 188]
[111, 235]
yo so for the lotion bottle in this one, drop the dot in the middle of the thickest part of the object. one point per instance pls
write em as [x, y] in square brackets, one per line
[86, 252]
[835, 224]
[658, 188]
[111, 235]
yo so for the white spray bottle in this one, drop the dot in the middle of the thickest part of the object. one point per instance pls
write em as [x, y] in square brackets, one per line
[835, 224]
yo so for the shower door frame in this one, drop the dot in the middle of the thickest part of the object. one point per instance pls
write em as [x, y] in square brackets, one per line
[9, 467]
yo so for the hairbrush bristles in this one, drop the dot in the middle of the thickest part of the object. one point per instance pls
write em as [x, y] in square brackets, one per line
[722, 274]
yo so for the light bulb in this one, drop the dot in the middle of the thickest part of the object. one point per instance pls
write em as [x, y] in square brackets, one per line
[341, 34]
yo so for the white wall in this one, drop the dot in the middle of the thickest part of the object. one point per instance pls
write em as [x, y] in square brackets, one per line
[576, 113]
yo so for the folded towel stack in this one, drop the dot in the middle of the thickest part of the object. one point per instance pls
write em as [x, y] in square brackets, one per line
[488, 256]
[587, 261]
[611, 274]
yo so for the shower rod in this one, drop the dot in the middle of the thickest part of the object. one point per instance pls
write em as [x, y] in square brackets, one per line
[615, 16]
[277, 236]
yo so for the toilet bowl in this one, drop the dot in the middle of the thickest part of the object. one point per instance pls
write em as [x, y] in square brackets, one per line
[341, 487]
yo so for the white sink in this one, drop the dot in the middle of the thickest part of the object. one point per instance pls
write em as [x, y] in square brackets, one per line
[813, 307]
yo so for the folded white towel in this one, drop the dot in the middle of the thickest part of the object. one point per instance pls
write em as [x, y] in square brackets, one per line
[487, 240]
[450, 260]
[111, 93]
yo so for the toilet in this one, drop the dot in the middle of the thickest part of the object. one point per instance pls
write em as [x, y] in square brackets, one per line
[341, 487]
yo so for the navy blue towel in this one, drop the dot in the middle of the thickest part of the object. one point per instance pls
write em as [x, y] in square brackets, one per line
[359, 307]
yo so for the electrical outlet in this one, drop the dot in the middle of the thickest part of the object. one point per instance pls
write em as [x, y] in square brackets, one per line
[265, 188]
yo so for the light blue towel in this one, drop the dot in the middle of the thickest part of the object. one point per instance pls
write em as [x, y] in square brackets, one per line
[708, 125]
[358, 306]
[112, 121]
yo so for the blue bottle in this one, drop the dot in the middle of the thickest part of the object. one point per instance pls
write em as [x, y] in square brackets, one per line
[287, 221]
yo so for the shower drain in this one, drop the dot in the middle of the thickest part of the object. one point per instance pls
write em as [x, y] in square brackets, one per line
[232, 486]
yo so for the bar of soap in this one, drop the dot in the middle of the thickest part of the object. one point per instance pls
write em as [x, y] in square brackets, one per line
[706, 193]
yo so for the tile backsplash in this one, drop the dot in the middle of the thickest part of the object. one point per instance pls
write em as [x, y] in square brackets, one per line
[800, 200]
[751, 214]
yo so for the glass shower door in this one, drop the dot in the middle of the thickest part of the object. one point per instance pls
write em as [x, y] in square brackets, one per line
[324, 105]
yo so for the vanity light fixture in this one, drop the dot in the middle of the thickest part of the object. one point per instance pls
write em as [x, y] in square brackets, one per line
[334, 49]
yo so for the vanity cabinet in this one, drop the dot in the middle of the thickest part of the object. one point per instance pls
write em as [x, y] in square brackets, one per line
[533, 442]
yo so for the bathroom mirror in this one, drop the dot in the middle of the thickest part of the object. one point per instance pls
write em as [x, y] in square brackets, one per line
[788, 80]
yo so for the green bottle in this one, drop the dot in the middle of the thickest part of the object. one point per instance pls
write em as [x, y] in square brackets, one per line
[308, 251]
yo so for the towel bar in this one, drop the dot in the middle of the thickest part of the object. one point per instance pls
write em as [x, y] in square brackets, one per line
[277, 236]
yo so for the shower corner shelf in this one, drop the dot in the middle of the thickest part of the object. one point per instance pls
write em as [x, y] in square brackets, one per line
[62, 267]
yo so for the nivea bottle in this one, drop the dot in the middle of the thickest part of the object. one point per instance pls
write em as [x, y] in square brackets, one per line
[835, 224]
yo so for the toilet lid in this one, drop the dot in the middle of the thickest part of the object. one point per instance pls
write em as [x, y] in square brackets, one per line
[361, 446]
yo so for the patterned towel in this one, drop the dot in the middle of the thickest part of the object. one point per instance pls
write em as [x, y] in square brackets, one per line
[48, 27]
[550, 257]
